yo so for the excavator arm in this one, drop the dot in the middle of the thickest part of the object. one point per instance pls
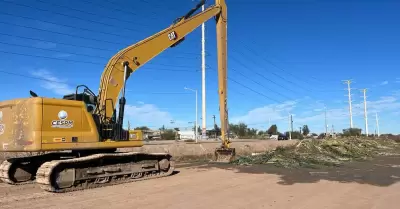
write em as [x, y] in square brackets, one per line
[131, 58]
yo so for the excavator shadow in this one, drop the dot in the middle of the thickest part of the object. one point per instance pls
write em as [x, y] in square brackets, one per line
[174, 173]
[381, 171]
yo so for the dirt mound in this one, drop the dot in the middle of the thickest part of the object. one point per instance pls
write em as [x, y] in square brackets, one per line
[317, 153]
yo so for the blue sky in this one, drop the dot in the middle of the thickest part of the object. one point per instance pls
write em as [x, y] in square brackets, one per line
[287, 57]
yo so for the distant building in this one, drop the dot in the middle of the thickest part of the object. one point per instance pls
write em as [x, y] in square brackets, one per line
[184, 135]
[274, 137]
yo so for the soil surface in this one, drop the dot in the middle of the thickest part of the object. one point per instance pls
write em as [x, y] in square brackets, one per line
[369, 184]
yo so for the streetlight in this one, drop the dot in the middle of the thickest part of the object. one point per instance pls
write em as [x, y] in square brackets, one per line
[195, 130]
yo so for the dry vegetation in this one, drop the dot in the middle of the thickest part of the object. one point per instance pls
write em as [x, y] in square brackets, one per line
[319, 153]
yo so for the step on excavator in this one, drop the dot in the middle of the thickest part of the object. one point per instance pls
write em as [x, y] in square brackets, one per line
[76, 139]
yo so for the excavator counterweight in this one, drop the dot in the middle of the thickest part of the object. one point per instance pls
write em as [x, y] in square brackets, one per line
[76, 138]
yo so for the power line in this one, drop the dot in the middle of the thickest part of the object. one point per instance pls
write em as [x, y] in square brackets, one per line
[32, 47]
[32, 77]
[54, 42]
[92, 21]
[261, 84]
[86, 62]
[286, 80]
[82, 37]
[249, 88]
[254, 91]
[64, 25]
[73, 84]
[75, 36]
[265, 59]
[110, 8]
[94, 14]
[261, 75]
[135, 8]
[42, 40]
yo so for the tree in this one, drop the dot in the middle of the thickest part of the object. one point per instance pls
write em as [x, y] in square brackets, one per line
[251, 132]
[242, 129]
[143, 128]
[305, 130]
[295, 135]
[352, 132]
[216, 128]
[168, 134]
[176, 129]
[260, 133]
[273, 130]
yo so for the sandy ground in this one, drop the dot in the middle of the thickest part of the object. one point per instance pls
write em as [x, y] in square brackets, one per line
[356, 185]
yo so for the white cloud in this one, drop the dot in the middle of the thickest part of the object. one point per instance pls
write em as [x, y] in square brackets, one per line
[384, 83]
[264, 114]
[150, 115]
[339, 116]
[53, 83]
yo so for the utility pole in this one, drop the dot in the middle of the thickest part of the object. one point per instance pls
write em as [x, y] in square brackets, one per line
[377, 123]
[291, 122]
[326, 125]
[203, 79]
[365, 111]
[215, 130]
[196, 126]
[350, 109]
[290, 126]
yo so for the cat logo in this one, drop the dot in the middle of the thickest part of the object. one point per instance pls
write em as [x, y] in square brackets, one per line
[63, 122]
[172, 36]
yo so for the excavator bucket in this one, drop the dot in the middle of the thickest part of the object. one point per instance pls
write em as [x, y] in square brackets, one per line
[224, 155]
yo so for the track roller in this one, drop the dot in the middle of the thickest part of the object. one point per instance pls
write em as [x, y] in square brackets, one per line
[100, 170]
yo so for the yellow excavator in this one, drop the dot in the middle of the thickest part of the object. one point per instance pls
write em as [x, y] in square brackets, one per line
[76, 138]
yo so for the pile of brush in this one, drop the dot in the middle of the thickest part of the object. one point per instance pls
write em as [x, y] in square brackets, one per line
[318, 153]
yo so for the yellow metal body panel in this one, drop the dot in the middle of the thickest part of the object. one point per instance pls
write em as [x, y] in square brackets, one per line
[44, 124]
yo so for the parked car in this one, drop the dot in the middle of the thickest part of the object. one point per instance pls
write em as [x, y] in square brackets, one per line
[282, 137]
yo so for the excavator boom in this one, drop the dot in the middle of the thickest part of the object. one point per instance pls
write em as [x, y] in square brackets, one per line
[137, 55]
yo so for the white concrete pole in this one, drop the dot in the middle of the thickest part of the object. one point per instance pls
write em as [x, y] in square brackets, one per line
[203, 79]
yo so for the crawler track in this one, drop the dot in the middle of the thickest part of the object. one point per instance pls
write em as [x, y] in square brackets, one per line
[101, 170]
[22, 170]
[7, 177]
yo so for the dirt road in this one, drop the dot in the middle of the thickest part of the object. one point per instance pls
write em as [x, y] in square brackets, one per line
[357, 185]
